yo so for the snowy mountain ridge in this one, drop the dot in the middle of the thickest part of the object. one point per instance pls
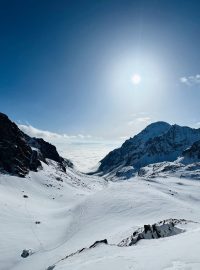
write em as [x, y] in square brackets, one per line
[158, 142]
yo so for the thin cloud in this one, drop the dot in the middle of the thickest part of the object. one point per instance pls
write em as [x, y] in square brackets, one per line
[143, 119]
[138, 120]
[191, 80]
[50, 136]
[197, 125]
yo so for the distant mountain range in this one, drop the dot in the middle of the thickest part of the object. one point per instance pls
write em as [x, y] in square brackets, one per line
[160, 149]
[159, 145]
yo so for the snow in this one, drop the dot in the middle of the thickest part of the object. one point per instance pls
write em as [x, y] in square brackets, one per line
[158, 142]
[75, 210]
[169, 169]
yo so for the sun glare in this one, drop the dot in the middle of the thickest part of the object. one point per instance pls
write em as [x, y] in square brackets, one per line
[136, 79]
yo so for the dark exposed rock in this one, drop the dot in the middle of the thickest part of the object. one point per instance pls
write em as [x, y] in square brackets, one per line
[26, 253]
[16, 156]
[105, 241]
[126, 172]
[46, 151]
[161, 229]
[51, 267]
[20, 153]
[147, 228]
[193, 152]
[59, 179]
[95, 244]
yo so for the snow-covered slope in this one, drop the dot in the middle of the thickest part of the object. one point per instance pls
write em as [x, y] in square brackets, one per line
[132, 204]
[186, 166]
[41, 212]
[53, 214]
[170, 169]
[55, 217]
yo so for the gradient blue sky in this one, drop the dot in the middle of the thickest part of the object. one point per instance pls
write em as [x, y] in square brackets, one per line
[66, 66]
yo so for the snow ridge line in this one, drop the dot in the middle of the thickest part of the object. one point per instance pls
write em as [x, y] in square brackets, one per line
[162, 229]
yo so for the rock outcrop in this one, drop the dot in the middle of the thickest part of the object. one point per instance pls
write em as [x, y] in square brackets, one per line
[16, 156]
[20, 153]
[47, 151]
[161, 229]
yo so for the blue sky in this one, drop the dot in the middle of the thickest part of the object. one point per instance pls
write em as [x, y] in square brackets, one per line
[66, 66]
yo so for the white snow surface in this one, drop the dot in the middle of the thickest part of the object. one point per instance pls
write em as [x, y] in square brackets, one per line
[82, 209]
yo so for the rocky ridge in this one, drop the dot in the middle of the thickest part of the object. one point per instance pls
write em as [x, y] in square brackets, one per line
[20, 153]
[157, 143]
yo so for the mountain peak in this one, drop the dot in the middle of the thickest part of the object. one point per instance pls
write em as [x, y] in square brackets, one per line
[3, 116]
[158, 142]
[158, 127]
[152, 130]
[158, 124]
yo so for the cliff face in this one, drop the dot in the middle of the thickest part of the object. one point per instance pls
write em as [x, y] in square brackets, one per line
[16, 156]
[20, 153]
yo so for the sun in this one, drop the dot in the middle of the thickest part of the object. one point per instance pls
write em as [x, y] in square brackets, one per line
[136, 78]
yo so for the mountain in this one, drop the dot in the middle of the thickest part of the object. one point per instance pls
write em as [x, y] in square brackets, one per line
[55, 217]
[20, 153]
[157, 143]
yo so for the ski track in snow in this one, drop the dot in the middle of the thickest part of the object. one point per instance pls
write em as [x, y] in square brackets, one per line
[82, 209]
